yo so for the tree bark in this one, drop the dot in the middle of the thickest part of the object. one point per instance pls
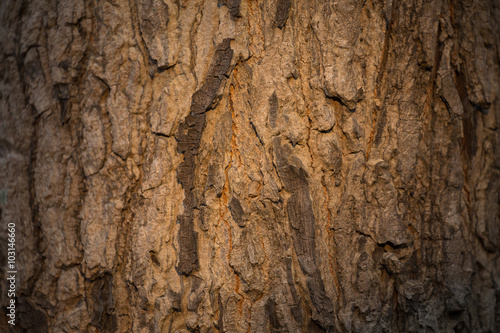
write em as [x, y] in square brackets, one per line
[251, 166]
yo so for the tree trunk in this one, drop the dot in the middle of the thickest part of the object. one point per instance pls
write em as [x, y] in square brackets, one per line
[251, 166]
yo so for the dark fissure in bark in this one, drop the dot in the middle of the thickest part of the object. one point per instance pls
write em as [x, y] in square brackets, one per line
[188, 142]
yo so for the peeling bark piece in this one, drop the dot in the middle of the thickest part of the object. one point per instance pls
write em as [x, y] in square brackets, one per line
[188, 243]
[181, 137]
[185, 173]
[282, 11]
[273, 110]
[188, 137]
[237, 212]
[204, 97]
[233, 6]
[220, 322]
[222, 60]
[189, 133]
[302, 221]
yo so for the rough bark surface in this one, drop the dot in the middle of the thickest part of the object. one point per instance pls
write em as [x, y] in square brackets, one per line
[252, 166]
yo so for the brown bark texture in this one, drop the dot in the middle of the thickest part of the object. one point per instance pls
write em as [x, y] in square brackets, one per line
[250, 165]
